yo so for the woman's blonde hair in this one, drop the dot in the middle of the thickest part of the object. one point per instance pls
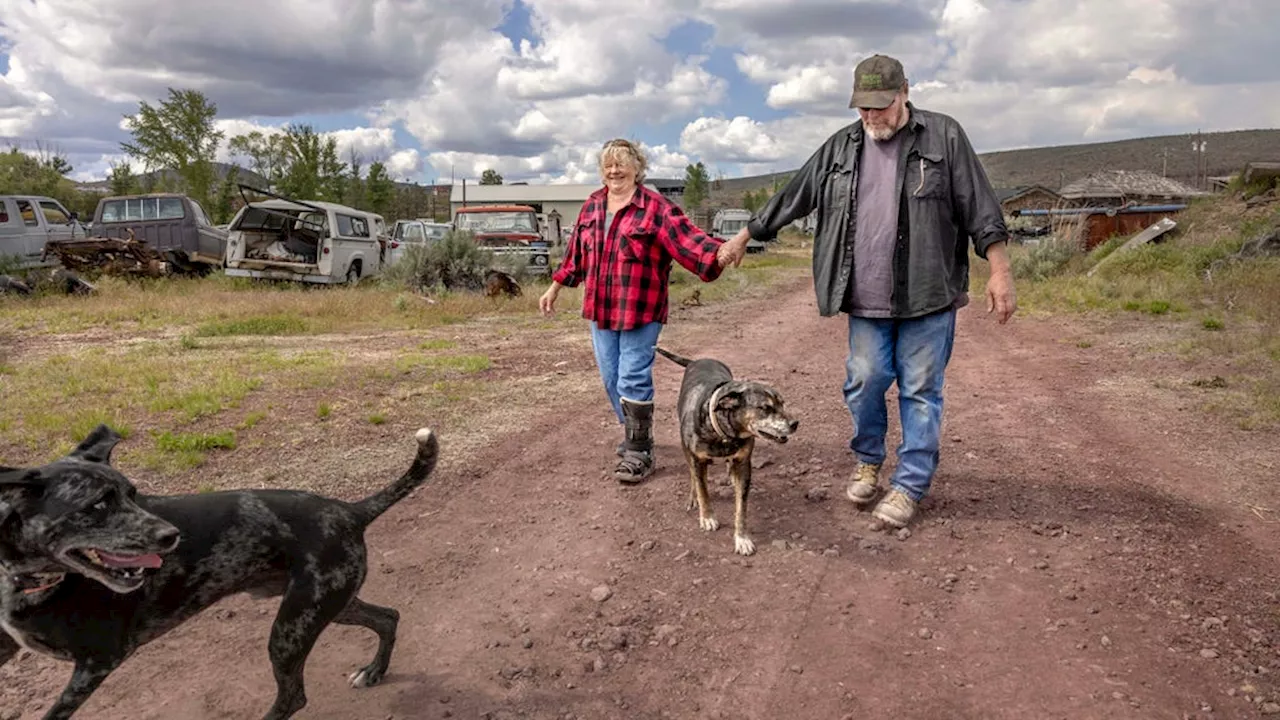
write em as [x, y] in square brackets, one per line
[624, 150]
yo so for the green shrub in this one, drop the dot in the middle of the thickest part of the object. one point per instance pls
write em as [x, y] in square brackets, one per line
[454, 262]
[1044, 260]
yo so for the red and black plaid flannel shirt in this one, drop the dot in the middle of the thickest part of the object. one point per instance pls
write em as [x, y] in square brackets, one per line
[627, 267]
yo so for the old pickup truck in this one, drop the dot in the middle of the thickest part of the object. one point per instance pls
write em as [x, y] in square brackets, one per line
[27, 223]
[169, 223]
[281, 238]
[511, 233]
[154, 234]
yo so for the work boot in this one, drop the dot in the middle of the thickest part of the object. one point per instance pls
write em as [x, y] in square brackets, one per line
[637, 453]
[895, 509]
[862, 488]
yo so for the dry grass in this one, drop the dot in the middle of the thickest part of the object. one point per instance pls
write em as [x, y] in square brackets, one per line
[189, 367]
[1231, 314]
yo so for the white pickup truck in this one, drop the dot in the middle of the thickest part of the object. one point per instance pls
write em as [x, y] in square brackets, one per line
[305, 240]
[27, 222]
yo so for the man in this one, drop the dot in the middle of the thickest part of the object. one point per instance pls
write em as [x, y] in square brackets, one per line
[900, 194]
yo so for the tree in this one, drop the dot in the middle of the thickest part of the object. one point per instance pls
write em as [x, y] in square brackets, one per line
[266, 154]
[312, 170]
[752, 201]
[355, 193]
[177, 135]
[122, 180]
[696, 186]
[490, 177]
[380, 188]
[224, 205]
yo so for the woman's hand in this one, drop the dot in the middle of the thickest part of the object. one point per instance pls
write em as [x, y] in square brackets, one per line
[547, 303]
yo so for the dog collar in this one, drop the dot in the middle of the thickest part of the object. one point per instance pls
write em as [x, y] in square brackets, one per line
[37, 582]
[714, 412]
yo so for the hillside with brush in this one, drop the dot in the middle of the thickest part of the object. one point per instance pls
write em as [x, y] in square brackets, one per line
[1054, 166]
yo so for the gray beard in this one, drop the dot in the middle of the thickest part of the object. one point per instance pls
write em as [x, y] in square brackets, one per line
[881, 134]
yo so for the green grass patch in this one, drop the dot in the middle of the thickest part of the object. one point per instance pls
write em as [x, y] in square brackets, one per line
[264, 325]
[467, 364]
[178, 452]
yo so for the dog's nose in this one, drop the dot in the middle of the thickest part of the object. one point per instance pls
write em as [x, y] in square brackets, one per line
[168, 537]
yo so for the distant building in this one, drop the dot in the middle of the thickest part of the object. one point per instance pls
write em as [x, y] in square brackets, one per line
[670, 188]
[1114, 188]
[1028, 197]
[564, 199]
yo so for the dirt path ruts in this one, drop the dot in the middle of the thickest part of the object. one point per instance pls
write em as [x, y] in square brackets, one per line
[1082, 556]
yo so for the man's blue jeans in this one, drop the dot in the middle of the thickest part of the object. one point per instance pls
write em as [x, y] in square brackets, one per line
[914, 353]
[625, 359]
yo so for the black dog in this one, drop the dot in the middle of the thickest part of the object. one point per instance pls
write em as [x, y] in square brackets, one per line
[92, 570]
[720, 418]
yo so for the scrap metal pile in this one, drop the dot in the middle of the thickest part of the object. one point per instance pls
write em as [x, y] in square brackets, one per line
[116, 256]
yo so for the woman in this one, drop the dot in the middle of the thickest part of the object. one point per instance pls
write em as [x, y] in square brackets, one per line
[622, 246]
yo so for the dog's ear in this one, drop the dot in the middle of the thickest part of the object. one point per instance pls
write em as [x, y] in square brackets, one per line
[731, 398]
[20, 477]
[97, 446]
[12, 482]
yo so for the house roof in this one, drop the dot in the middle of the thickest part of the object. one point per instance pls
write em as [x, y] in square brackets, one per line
[1127, 183]
[1012, 193]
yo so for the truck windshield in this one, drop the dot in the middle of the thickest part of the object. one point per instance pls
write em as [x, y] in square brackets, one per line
[731, 227]
[496, 221]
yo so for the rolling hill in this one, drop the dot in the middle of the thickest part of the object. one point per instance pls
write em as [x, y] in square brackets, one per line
[1054, 166]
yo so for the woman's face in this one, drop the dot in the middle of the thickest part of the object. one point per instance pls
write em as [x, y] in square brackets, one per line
[619, 174]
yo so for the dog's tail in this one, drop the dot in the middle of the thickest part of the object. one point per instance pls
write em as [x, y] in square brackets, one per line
[681, 361]
[423, 463]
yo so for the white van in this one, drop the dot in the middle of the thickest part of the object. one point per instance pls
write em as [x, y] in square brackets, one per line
[305, 241]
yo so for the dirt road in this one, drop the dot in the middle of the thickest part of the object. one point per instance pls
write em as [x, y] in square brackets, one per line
[1093, 548]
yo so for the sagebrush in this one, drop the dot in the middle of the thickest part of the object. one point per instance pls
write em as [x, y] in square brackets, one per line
[454, 262]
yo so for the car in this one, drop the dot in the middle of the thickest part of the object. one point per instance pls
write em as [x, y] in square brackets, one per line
[408, 233]
[728, 222]
[28, 222]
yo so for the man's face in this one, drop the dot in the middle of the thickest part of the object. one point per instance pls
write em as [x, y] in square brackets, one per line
[883, 124]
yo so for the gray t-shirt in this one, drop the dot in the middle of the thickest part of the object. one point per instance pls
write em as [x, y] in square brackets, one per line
[876, 228]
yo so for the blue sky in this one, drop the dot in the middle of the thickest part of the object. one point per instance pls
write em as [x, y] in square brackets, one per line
[532, 87]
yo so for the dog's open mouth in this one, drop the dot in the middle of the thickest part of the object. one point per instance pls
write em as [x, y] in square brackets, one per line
[126, 569]
[780, 439]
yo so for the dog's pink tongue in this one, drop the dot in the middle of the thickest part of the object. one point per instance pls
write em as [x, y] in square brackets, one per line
[130, 561]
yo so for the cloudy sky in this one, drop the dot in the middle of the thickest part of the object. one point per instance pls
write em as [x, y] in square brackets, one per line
[533, 87]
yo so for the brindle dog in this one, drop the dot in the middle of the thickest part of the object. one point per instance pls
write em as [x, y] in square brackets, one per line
[720, 419]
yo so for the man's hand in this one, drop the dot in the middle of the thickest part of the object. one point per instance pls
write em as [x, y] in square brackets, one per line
[547, 303]
[1001, 298]
[732, 252]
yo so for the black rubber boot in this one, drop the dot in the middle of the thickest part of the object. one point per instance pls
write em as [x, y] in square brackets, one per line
[637, 455]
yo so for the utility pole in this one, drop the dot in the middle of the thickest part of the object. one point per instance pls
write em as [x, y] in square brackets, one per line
[1202, 167]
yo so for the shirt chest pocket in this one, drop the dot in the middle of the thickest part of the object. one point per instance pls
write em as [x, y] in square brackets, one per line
[927, 176]
[588, 231]
[638, 242]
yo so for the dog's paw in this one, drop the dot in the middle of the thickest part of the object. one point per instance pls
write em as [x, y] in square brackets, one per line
[743, 545]
[709, 524]
[362, 678]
